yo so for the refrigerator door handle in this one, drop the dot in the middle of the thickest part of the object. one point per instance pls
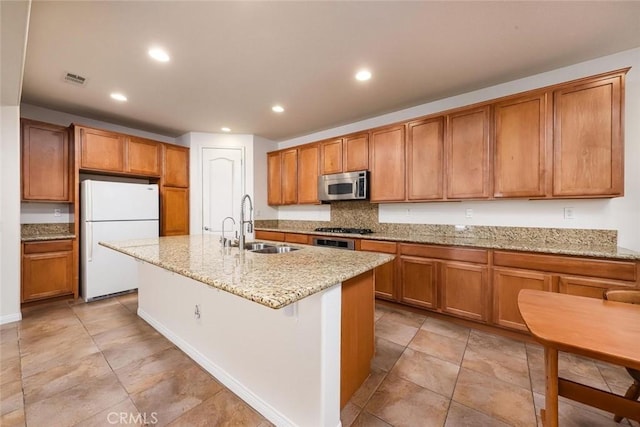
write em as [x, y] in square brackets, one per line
[90, 241]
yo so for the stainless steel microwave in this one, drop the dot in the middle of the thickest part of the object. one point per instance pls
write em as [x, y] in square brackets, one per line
[343, 186]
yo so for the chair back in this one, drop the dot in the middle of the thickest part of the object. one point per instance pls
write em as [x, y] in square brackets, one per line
[623, 295]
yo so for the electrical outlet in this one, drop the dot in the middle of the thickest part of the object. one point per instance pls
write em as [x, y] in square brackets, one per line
[468, 213]
[57, 212]
[569, 213]
[408, 211]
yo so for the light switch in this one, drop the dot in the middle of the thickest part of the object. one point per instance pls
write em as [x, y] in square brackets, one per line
[468, 213]
[569, 213]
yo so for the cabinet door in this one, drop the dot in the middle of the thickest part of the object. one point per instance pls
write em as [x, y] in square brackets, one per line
[101, 150]
[143, 156]
[274, 178]
[519, 160]
[465, 290]
[425, 159]
[290, 177]
[331, 156]
[46, 273]
[587, 139]
[467, 137]
[385, 274]
[592, 288]
[418, 282]
[388, 164]
[308, 162]
[45, 162]
[174, 220]
[507, 284]
[356, 153]
[175, 172]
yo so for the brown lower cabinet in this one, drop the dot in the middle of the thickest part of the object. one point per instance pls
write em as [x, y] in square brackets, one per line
[47, 270]
[465, 290]
[418, 282]
[174, 216]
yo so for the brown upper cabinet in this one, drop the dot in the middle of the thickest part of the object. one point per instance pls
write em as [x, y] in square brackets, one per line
[175, 164]
[102, 150]
[520, 146]
[467, 143]
[282, 183]
[346, 154]
[425, 159]
[387, 155]
[308, 165]
[587, 138]
[46, 162]
[143, 156]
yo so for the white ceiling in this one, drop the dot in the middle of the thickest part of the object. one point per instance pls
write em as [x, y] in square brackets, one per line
[231, 61]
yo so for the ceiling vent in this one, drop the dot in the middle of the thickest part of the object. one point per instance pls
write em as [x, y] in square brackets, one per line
[75, 79]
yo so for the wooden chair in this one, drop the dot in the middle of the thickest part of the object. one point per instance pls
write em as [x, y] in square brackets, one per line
[631, 297]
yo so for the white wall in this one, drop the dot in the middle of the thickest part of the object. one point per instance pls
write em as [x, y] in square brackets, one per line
[199, 140]
[261, 147]
[622, 214]
[10, 214]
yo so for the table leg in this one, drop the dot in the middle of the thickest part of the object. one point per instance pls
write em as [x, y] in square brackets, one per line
[550, 412]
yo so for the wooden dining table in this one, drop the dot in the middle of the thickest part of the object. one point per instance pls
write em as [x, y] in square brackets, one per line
[599, 329]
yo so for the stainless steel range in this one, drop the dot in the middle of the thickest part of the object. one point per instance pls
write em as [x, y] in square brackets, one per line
[338, 242]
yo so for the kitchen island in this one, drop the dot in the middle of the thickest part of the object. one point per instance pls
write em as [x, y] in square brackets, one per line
[283, 331]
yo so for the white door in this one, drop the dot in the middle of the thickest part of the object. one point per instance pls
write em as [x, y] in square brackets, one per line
[222, 188]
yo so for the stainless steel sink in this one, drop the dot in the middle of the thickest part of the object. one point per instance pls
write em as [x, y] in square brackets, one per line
[257, 246]
[275, 250]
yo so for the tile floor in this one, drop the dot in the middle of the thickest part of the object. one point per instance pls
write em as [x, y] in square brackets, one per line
[86, 364]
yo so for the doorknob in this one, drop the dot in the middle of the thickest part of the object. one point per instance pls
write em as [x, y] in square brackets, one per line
[207, 228]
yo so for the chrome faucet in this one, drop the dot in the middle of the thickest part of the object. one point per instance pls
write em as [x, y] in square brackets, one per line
[242, 220]
[223, 240]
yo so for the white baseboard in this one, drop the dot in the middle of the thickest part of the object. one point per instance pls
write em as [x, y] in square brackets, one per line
[9, 318]
[221, 375]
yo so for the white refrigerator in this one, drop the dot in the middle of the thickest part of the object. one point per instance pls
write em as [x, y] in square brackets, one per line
[112, 211]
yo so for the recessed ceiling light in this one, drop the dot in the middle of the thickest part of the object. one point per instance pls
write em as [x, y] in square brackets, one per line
[225, 129]
[159, 54]
[118, 97]
[363, 75]
[277, 109]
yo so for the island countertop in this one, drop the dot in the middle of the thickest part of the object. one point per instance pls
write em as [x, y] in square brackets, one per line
[273, 280]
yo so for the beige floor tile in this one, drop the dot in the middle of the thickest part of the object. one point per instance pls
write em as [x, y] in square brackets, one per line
[447, 329]
[134, 330]
[506, 346]
[616, 377]
[363, 394]
[462, 416]
[498, 399]
[47, 359]
[61, 338]
[405, 317]
[10, 370]
[122, 413]
[493, 362]
[122, 355]
[386, 355]
[77, 403]
[222, 409]
[402, 403]
[365, 419]
[576, 415]
[11, 398]
[175, 395]
[108, 323]
[42, 327]
[9, 332]
[64, 376]
[440, 346]
[427, 371]
[395, 332]
[9, 349]
[349, 413]
[13, 419]
[144, 373]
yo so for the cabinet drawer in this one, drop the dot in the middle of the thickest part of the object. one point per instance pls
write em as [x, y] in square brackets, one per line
[445, 252]
[296, 238]
[276, 236]
[52, 246]
[592, 288]
[374, 246]
[608, 269]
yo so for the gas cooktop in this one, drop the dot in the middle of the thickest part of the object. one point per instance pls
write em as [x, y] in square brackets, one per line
[344, 230]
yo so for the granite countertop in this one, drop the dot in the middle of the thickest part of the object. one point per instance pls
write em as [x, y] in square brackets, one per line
[273, 280]
[613, 252]
[45, 237]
